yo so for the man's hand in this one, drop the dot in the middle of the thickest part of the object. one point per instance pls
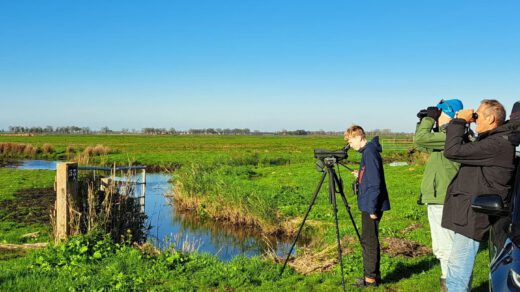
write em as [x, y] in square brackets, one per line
[355, 173]
[433, 112]
[421, 114]
[373, 216]
[466, 114]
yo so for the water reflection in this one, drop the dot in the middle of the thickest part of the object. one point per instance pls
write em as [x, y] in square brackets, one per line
[33, 165]
[231, 239]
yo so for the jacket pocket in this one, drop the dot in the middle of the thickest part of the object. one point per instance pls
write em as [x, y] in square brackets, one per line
[485, 182]
[461, 206]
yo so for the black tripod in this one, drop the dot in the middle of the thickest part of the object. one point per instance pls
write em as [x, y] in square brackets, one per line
[334, 181]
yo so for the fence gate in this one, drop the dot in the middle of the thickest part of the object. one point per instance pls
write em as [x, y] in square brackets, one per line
[66, 187]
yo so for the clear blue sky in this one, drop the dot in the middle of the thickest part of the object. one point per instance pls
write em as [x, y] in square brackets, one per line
[264, 64]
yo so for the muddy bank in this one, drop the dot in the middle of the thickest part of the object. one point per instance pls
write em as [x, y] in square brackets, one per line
[404, 247]
[29, 206]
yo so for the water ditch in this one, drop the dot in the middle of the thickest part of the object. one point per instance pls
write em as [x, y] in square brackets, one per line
[185, 229]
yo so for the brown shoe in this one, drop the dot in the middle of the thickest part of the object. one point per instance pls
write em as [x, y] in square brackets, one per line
[360, 283]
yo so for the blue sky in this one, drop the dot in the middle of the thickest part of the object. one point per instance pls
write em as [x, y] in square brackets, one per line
[265, 64]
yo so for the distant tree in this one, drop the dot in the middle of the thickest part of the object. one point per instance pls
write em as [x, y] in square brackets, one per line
[86, 130]
[105, 130]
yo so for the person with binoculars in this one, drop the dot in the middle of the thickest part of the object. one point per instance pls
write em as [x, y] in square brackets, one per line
[486, 167]
[430, 136]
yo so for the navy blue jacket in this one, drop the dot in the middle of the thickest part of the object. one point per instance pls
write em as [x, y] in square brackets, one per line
[372, 192]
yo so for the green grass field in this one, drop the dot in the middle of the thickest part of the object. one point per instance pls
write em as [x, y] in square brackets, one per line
[266, 182]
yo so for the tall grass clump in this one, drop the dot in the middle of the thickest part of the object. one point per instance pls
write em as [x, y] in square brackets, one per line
[222, 193]
[70, 151]
[47, 148]
[91, 152]
[18, 150]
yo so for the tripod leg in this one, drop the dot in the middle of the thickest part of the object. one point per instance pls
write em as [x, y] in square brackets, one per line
[332, 193]
[315, 195]
[347, 206]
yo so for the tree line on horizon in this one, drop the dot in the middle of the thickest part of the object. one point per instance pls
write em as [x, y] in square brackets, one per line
[75, 130]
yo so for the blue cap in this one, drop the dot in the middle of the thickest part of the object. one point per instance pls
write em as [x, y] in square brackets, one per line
[450, 106]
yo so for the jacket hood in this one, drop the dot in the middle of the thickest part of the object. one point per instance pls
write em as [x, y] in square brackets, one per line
[510, 130]
[374, 143]
[510, 125]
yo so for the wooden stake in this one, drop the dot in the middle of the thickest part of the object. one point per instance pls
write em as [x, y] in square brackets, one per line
[66, 191]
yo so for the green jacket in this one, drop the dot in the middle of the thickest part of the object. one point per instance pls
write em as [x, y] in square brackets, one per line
[439, 171]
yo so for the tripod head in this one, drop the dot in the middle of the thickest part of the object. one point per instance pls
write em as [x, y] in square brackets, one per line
[328, 158]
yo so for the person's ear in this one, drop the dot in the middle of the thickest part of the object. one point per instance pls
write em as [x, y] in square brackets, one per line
[491, 119]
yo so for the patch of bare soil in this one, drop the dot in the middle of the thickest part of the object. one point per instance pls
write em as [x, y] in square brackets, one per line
[29, 206]
[403, 247]
[309, 261]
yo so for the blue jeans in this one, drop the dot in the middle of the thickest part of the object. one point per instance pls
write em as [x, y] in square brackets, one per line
[460, 263]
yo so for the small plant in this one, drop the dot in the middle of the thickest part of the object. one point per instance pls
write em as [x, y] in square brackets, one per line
[77, 251]
[415, 214]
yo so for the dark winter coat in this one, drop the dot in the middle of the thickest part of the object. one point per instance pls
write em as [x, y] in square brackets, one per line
[486, 167]
[372, 192]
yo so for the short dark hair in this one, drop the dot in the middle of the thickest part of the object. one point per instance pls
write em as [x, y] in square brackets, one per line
[495, 108]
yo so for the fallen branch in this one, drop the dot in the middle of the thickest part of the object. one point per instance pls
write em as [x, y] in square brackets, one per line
[9, 246]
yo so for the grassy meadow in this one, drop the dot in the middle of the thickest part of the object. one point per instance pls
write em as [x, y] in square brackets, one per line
[263, 183]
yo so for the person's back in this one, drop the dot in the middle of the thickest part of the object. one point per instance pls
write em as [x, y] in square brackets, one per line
[372, 191]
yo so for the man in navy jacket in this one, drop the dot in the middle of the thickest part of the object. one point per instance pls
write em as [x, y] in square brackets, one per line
[372, 201]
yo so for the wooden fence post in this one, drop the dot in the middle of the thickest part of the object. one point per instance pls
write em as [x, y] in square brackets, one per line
[66, 189]
[143, 190]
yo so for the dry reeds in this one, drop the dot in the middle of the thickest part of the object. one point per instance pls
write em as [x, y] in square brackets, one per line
[89, 152]
[101, 150]
[47, 148]
[70, 151]
[9, 149]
